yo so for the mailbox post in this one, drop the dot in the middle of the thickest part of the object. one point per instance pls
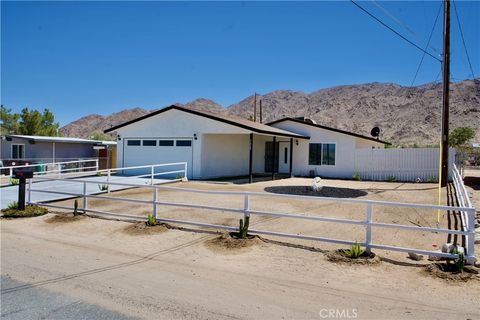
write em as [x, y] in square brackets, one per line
[22, 174]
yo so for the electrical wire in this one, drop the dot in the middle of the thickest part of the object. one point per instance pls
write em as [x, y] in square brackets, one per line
[463, 39]
[394, 31]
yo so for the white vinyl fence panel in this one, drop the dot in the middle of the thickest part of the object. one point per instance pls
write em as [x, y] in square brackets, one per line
[406, 164]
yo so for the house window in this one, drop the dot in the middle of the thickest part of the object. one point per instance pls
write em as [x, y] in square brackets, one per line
[315, 154]
[133, 142]
[165, 143]
[328, 154]
[18, 151]
[321, 154]
[184, 143]
[149, 143]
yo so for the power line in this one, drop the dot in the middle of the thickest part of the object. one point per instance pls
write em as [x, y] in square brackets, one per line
[428, 43]
[463, 39]
[394, 31]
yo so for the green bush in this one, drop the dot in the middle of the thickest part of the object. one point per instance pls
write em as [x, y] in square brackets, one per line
[432, 179]
[392, 179]
[14, 181]
[99, 174]
[356, 177]
[151, 220]
[355, 251]
[30, 211]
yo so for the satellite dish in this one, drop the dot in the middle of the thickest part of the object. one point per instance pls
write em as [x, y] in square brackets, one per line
[375, 132]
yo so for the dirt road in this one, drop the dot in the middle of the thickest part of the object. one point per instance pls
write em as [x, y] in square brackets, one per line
[173, 275]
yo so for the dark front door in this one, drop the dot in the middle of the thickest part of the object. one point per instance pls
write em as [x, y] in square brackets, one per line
[269, 156]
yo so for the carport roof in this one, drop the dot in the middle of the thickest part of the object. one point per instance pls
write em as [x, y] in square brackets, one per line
[60, 139]
[255, 127]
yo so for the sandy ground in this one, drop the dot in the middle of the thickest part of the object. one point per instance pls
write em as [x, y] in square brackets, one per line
[175, 275]
[399, 192]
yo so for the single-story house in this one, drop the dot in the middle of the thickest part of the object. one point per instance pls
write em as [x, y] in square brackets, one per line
[20, 149]
[215, 145]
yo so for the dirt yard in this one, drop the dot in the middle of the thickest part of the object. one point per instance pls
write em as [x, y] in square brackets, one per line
[178, 274]
[398, 192]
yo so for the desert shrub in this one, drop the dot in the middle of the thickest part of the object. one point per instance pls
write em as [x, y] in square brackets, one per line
[30, 211]
[460, 262]
[12, 205]
[392, 179]
[14, 181]
[432, 179]
[243, 228]
[356, 177]
[99, 173]
[355, 251]
[103, 187]
[151, 220]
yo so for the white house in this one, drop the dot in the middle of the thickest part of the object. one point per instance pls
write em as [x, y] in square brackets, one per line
[218, 146]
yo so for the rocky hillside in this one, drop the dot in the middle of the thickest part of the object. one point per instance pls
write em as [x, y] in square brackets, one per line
[405, 115]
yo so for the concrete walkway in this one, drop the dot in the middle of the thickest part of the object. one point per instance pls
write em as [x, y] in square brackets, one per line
[10, 194]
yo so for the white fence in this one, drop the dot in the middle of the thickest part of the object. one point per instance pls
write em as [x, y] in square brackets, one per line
[407, 164]
[368, 222]
[464, 201]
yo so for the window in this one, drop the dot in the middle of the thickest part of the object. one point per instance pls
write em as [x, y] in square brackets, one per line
[285, 156]
[315, 154]
[133, 142]
[328, 154]
[321, 154]
[149, 143]
[18, 151]
[165, 143]
[184, 143]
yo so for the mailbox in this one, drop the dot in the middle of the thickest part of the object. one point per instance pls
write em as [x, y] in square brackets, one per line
[26, 173]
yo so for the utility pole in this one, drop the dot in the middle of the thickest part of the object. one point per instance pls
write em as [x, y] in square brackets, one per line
[446, 89]
[255, 108]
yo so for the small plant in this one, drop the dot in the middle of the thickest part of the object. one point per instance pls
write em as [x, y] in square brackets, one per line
[243, 228]
[392, 179]
[432, 179]
[151, 220]
[356, 177]
[75, 208]
[178, 177]
[103, 187]
[355, 251]
[14, 181]
[99, 173]
[12, 205]
[460, 262]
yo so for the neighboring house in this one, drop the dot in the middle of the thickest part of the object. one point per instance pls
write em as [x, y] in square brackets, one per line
[21, 149]
[217, 146]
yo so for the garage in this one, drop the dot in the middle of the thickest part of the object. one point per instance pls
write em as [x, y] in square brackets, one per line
[147, 151]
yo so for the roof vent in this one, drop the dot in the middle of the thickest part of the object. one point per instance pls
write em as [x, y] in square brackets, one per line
[307, 120]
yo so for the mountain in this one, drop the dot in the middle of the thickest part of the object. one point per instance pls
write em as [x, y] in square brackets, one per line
[405, 115]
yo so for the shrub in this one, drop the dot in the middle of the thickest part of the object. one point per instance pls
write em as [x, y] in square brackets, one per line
[355, 251]
[460, 262]
[14, 181]
[392, 179]
[432, 179]
[30, 211]
[178, 177]
[103, 187]
[151, 220]
[12, 205]
[356, 177]
[243, 228]
[99, 174]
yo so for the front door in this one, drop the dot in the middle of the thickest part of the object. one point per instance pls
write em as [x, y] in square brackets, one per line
[284, 157]
[269, 156]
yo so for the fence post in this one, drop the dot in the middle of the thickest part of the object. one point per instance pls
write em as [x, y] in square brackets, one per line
[10, 172]
[108, 180]
[96, 165]
[155, 203]
[29, 191]
[152, 170]
[85, 203]
[246, 206]
[185, 172]
[471, 237]
[368, 228]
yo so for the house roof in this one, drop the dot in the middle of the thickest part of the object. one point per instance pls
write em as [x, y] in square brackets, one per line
[60, 139]
[328, 128]
[234, 121]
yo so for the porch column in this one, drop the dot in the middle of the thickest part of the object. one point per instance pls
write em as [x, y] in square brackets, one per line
[291, 158]
[250, 164]
[274, 157]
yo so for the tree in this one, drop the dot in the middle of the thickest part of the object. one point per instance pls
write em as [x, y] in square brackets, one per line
[9, 120]
[99, 135]
[28, 122]
[460, 136]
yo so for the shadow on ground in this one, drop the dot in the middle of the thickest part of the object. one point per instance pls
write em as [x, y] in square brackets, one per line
[330, 192]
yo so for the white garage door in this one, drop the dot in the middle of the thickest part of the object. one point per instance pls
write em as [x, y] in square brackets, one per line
[139, 152]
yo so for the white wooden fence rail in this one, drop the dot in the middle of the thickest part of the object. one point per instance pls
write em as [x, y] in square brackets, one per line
[407, 164]
[246, 211]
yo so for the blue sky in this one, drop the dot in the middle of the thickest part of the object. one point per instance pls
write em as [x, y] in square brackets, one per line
[78, 58]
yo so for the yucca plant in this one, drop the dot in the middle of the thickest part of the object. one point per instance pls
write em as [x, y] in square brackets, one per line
[356, 177]
[103, 187]
[151, 220]
[14, 181]
[243, 228]
[355, 251]
[12, 205]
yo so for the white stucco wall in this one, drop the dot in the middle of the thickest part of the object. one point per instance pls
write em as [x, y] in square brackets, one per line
[344, 151]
